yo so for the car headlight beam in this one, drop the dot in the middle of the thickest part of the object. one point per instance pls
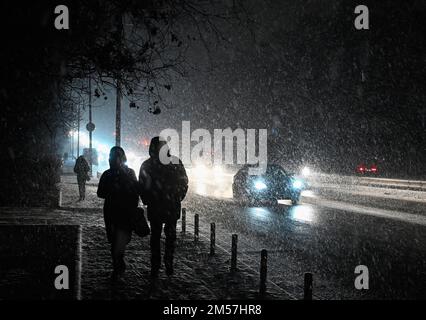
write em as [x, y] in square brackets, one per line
[306, 171]
[259, 185]
[297, 184]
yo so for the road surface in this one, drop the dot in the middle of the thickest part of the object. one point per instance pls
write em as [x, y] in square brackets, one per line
[329, 233]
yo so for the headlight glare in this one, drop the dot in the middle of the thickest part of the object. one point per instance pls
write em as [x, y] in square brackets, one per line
[297, 184]
[259, 185]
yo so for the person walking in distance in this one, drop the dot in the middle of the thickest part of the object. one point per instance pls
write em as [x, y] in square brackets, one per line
[119, 187]
[163, 185]
[82, 169]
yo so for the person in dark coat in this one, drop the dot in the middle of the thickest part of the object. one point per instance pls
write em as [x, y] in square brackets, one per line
[119, 187]
[82, 169]
[163, 186]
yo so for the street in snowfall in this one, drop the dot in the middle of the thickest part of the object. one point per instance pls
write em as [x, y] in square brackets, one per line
[285, 140]
[335, 228]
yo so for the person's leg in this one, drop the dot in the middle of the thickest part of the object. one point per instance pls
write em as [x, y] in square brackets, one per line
[170, 231]
[121, 239]
[156, 228]
[83, 189]
[109, 232]
[112, 232]
[80, 188]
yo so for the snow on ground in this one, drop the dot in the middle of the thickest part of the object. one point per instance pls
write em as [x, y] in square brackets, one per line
[378, 212]
[197, 274]
[377, 192]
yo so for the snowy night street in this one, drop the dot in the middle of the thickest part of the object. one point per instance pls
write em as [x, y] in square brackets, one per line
[326, 234]
[329, 235]
[208, 159]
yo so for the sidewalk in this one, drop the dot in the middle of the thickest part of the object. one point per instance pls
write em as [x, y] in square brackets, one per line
[197, 275]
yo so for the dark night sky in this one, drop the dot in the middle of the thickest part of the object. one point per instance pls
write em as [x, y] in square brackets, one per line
[297, 72]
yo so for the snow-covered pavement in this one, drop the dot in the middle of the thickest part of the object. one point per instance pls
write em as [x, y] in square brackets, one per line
[197, 274]
[335, 228]
[328, 234]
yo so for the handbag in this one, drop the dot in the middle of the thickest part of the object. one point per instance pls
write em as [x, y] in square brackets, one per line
[139, 223]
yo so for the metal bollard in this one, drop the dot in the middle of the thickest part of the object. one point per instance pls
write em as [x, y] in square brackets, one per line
[308, 286]
[263, 271]
[196, 227]
[234, 253]
[212, 238]
[60, 199]
[183, 220]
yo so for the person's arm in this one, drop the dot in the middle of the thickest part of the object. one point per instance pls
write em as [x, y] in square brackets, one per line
[131, 182]
[133, 178]
[86, 166]
[144, 182]
[103, 187]
[76, 166]
[182, 180]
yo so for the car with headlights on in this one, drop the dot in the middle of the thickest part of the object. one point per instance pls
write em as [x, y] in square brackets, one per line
[275, 184]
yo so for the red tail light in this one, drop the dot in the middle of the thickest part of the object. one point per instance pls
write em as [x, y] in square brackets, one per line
[360, 168]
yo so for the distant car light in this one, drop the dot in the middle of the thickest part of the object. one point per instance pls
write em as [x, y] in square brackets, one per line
[297, 184]
[200, 171]
[218, 171]
[360, 168]
[306, 172]
[259, 185]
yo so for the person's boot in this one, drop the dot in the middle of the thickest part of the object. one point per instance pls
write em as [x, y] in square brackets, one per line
[155, 265]
[119, 268]
[169, 271]
[122, 265]
[154, 273]
[169, 266]
[115, 276]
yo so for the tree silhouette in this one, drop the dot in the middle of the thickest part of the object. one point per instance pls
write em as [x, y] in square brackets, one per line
[138, 45]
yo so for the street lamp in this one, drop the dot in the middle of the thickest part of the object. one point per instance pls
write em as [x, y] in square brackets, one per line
[118, 115]
[71, 134]
[90, 126]
[78, 130]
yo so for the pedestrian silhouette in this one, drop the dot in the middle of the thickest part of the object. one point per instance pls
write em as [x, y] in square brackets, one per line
[119, 187]
[82, 168]
[163, 186]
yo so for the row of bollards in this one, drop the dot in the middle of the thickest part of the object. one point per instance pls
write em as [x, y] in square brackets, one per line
[183, 220]
[212, 238]
[196, 227]
[308, 278]
[234, 253]
[263, 271]
[307, 291]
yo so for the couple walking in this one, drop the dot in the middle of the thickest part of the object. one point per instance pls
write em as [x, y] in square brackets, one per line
[161, 187]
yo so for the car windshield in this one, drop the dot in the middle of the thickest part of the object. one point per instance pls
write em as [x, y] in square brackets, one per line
[275, 171]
